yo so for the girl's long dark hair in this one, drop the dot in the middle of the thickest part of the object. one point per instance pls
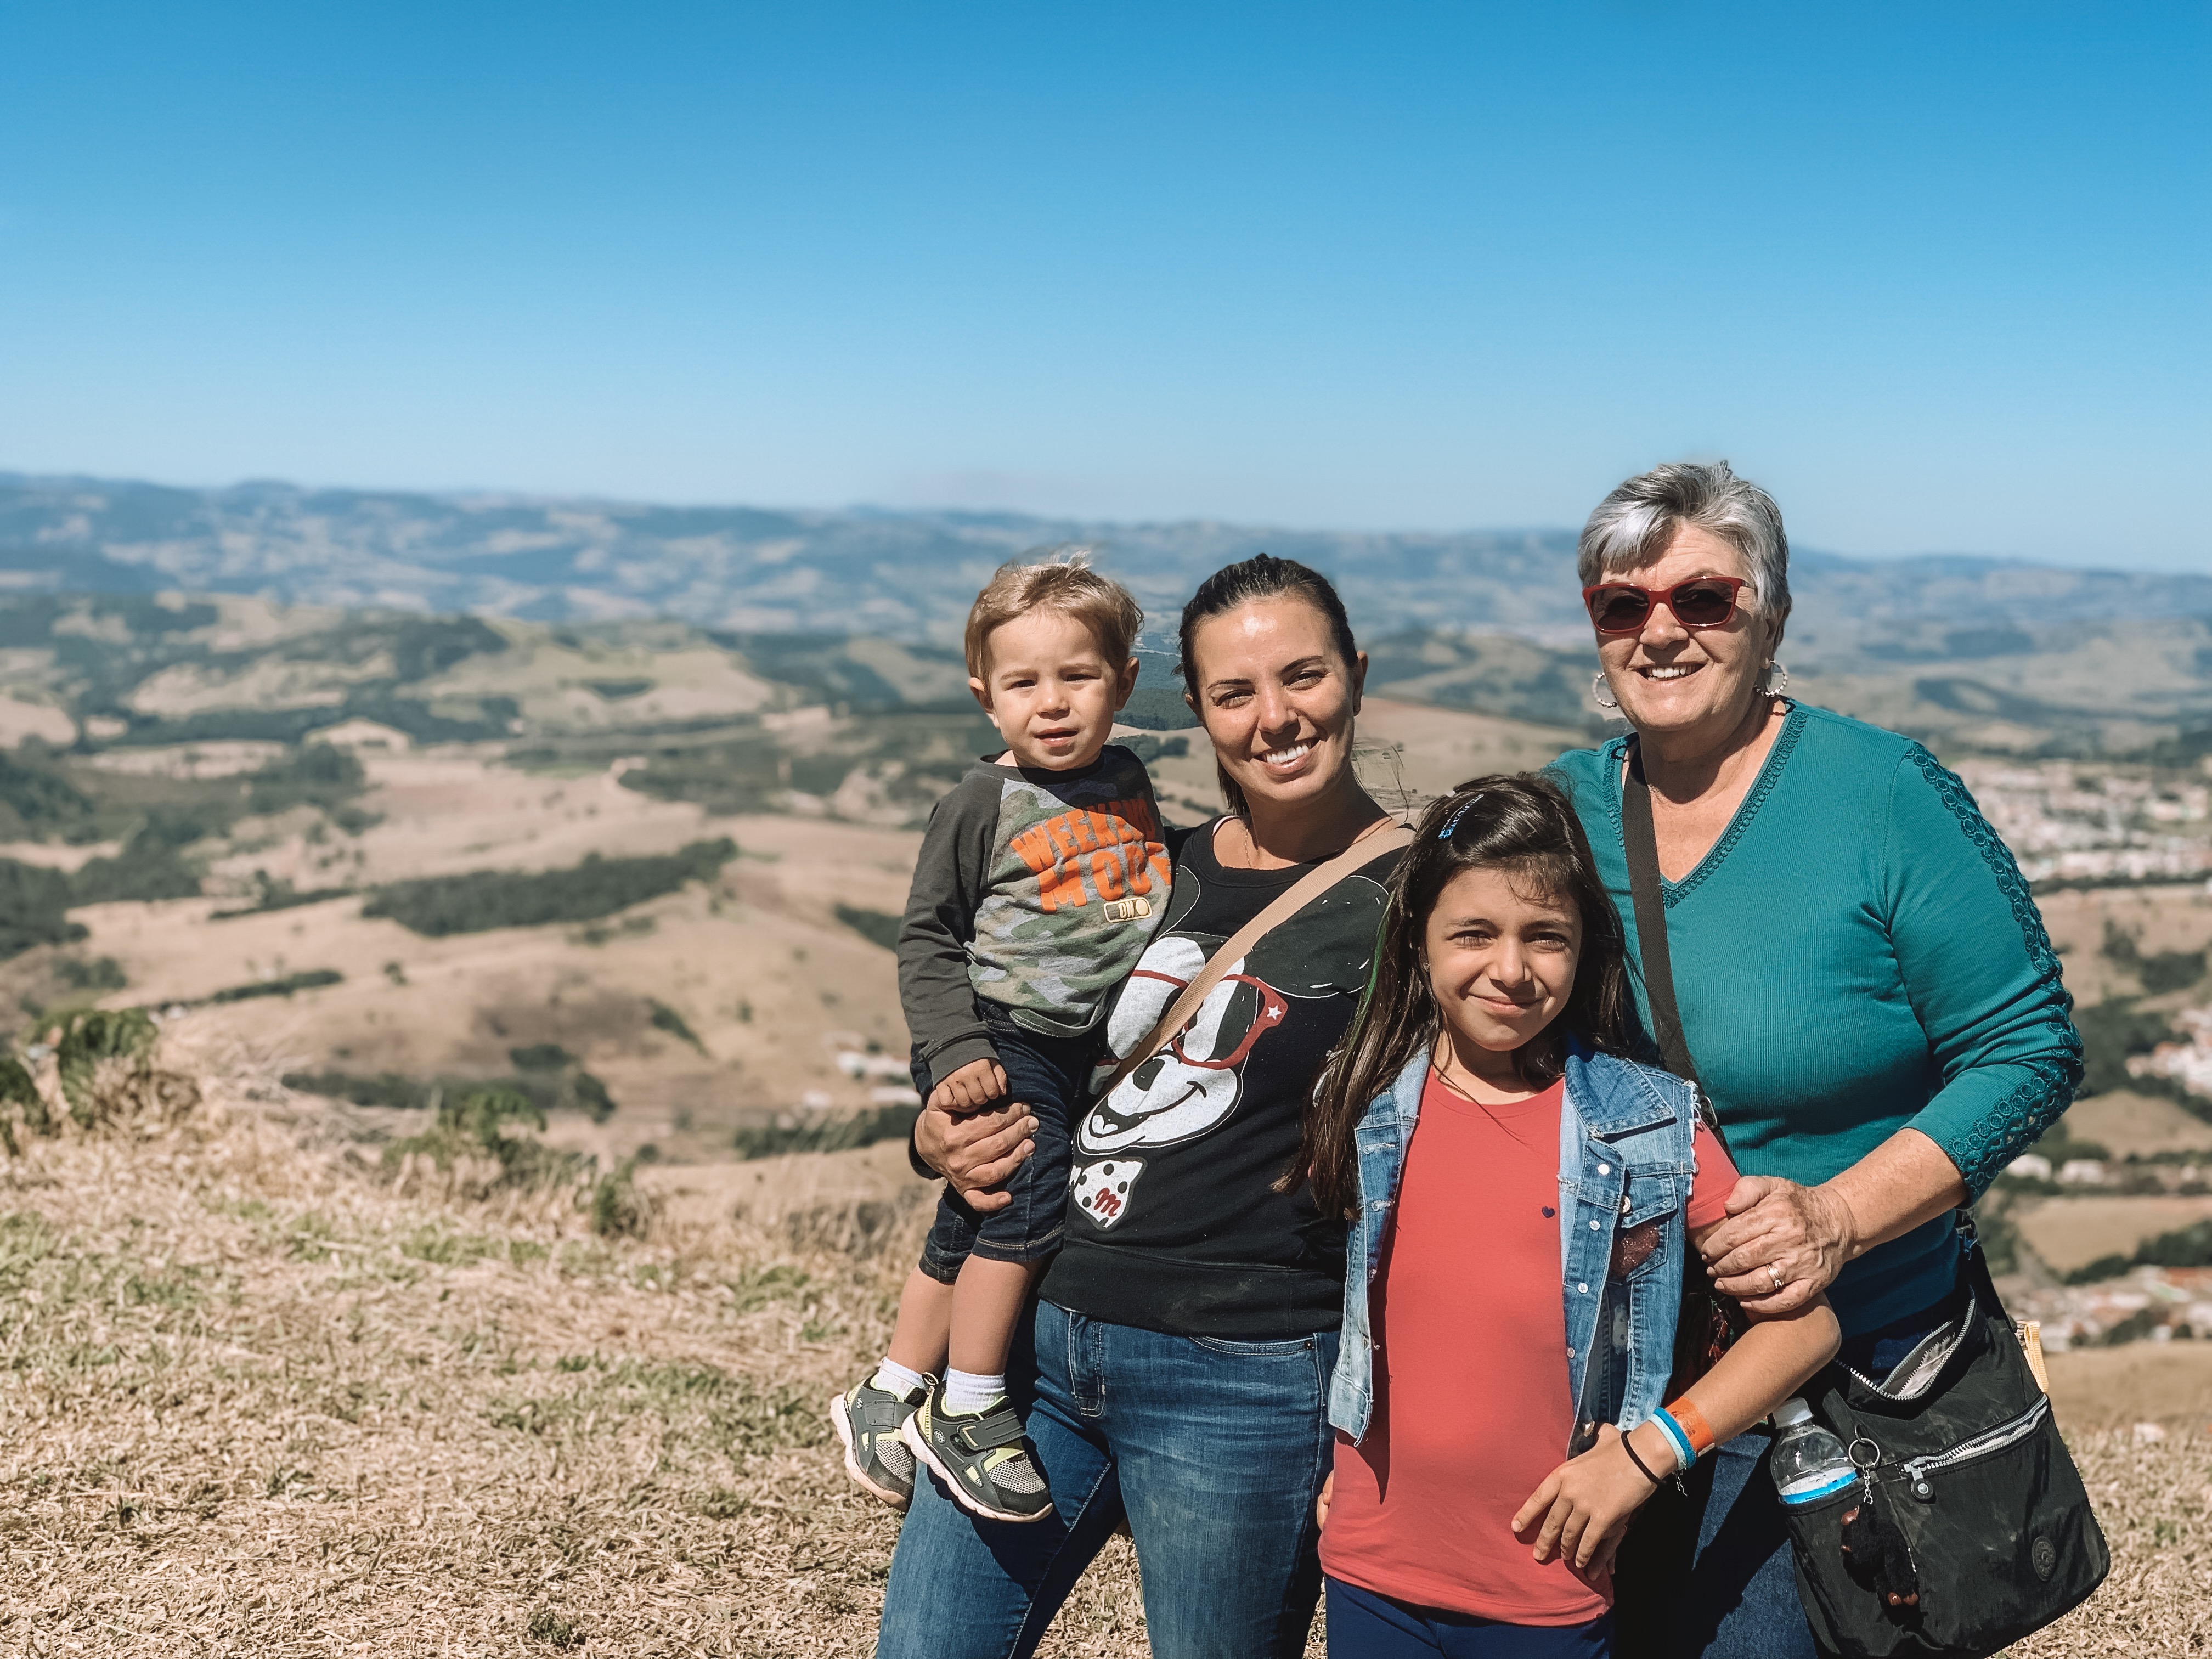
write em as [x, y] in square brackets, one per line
[1263, 576]
[1520, 825]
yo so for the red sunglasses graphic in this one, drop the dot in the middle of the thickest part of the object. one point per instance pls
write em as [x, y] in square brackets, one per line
[1272, 1010]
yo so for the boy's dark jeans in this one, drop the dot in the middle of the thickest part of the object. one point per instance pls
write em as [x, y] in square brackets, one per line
[1050, 1076]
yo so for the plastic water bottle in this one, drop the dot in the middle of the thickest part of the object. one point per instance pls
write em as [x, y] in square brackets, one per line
[1808, 1462]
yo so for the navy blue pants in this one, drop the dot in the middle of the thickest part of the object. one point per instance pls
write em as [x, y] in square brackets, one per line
[1047, 1075]
[1363, 1625]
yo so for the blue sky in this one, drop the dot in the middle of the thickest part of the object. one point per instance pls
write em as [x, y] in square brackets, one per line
[1939, 275]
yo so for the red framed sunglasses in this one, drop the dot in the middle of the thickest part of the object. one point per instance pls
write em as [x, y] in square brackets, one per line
[1700, 602]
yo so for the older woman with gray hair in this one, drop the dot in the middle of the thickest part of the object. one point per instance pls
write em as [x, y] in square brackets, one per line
[1864, 986]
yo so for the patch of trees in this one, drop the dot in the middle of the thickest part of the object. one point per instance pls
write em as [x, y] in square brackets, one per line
[495, 719]
[877, 927]
[312, 979]
[2113, 1032]
[2160, 972]
[386, 1089]
[1157, 704]
[1147, 747]
[36, 792]
[665, 1019]
[828, 666]
[151, 865]
[437, 906]
[29, 620]
[33, 906]
[563, 1084]
[834, 1134]
[280, 895]
[37, 797]
[423, 646]
[96, 974]
[743, 774]
[320, 775]
[2189, 1247]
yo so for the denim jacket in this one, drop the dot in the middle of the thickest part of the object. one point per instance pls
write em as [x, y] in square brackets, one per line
[1626, 1160]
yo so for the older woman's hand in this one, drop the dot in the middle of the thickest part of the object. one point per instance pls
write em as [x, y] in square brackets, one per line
[976, 1151]
[1781, 1245]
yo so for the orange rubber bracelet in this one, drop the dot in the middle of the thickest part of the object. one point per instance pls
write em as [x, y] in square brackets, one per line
[1692, 1421]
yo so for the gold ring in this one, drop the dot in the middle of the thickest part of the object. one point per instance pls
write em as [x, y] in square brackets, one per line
[1774, 1274]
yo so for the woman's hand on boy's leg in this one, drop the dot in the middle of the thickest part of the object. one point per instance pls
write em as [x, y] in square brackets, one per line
[971, 1088]
[1582, 1506]
[976, 1151]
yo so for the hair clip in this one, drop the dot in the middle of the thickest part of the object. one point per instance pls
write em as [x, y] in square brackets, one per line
[1452, 823]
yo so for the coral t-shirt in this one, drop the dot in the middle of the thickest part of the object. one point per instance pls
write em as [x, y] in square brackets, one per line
[1471, 1404]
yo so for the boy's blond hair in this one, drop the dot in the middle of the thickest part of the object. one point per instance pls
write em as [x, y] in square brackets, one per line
[1067, 585]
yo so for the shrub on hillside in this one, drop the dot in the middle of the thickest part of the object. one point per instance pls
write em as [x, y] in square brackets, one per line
[618, 1209]
[440, 905]
[2160, 972]
[100, 974]
[280, 895]
[309, 981]
[38, 794]
[834, 1134]
[564, 1085]
[2186, 1246]
[104, 1068]
[877, 927]
[665, 1019]
[386, 1089]
[151, 865]
[22, 1105]
[475, 1124]
[2112, 1032]
[496, 718]
[33, 909]
[321, 774]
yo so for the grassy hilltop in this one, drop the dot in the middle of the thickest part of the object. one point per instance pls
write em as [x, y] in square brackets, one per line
[274, 1385]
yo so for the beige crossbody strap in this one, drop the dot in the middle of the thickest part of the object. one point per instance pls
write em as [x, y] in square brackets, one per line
[1303, 892]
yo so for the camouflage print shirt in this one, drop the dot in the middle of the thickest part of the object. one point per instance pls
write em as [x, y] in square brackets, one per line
[1035, 891]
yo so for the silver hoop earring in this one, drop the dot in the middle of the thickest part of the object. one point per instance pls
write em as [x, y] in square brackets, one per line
[1774, 687]
[1601, 694]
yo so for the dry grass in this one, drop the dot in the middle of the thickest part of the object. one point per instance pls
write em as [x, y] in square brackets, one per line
[2153, 1499]
[253, 1398]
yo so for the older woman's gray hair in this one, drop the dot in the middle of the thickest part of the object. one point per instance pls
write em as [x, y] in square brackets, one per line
[1632, 527]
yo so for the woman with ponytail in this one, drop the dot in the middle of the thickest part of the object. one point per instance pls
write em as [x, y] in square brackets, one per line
[1174, 1371]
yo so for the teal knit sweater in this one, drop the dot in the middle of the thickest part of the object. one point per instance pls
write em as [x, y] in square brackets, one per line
[1856, 955]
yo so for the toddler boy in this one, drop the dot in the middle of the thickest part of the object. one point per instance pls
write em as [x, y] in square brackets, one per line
[1040, 881]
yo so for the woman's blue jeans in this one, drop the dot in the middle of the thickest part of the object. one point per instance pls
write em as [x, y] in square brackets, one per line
[1213, 1449]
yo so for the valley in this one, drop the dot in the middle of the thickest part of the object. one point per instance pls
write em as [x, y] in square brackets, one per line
[648, 874]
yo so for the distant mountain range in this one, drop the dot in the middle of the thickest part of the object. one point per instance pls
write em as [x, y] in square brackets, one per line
[910, 575]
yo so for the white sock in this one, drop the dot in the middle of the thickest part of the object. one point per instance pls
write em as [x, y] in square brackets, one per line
[896, 1377]
[967, 1392]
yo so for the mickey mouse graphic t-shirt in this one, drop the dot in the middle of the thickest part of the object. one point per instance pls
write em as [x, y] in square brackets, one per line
[1173, 1221]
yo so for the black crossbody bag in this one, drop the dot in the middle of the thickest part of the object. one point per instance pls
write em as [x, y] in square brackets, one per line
[1968, 1527]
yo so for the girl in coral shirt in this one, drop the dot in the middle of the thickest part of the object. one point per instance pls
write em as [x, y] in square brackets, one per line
[1523, 1199]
